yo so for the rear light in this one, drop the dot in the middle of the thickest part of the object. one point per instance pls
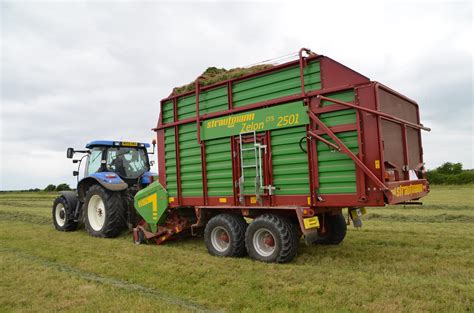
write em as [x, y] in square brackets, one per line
[152, 179]
[110, 176]
[308, 212]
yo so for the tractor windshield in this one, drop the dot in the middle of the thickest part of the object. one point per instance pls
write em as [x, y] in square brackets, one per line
[127, 162]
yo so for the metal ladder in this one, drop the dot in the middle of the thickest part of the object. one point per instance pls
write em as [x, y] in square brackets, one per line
[257, 148]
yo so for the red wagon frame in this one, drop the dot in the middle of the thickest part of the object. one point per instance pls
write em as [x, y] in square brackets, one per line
[372, 187]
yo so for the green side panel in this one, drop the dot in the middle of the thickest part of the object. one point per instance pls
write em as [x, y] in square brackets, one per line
[290, 164]
[213, 100]
[346, 96]
[170, 161]
[167, 112]
[151, 203]
[274, 85]
[219, 167]
[210, 101]
[190, 161]
[339, 117]
[186, 107]
[337, 172]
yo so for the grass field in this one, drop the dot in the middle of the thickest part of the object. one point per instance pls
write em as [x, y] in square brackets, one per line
[417, 258]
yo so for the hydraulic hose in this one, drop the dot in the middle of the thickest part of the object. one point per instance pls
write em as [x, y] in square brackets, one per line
[301, 144]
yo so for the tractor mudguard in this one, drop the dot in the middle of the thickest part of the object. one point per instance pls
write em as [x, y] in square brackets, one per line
[108, 180]
[72, 201]
[71, 198]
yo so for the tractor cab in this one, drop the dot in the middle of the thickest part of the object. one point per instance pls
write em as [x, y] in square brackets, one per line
[128, 160]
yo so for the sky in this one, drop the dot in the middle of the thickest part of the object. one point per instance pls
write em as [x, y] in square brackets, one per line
[72, 72]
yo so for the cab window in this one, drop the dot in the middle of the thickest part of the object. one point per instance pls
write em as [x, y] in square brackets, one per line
[95, 159]
[127, 162]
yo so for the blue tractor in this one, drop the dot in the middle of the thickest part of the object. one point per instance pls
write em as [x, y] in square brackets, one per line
[113, 172]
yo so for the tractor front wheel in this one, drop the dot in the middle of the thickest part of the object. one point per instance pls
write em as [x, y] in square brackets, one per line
[63, 215]
[104, 213]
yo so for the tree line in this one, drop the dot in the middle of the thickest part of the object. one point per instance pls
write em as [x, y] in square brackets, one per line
[450, 174]
[60, 187]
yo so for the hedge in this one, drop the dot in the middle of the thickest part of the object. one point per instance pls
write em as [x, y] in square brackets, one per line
[465, 177]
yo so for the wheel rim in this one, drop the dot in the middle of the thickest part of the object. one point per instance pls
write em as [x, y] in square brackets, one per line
[264, 242]
[60, 214]
[96, 212]
[220, 239]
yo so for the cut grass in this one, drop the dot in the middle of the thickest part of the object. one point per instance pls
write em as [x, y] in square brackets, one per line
[213, 75]
[403, 259]
[69, 289]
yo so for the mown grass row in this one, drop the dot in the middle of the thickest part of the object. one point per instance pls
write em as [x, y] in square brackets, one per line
[403, 259]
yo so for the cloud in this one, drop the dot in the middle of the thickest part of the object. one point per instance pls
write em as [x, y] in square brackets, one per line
[74, 72]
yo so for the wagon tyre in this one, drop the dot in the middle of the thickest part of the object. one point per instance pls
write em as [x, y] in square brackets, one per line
[63, 215]
[336, 229]
[270, 238]
[224, 235]
[104, 214]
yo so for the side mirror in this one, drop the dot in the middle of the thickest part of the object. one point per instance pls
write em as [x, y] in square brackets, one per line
[70, 153]
[75, 173]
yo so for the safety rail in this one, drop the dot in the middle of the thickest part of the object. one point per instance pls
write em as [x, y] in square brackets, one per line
[383, 115]
[343, 148]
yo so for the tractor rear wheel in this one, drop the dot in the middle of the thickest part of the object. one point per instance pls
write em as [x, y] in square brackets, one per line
[104, 213]
[63, 215]
[271, 238]
[336, 228]
[225, 235]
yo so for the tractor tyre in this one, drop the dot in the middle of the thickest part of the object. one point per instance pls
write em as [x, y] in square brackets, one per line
[271, 238]
[336, 229]
[104, 213]
[63, 215]
[224, 235]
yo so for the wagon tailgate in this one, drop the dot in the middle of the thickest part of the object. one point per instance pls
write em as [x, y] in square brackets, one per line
[402, 150]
